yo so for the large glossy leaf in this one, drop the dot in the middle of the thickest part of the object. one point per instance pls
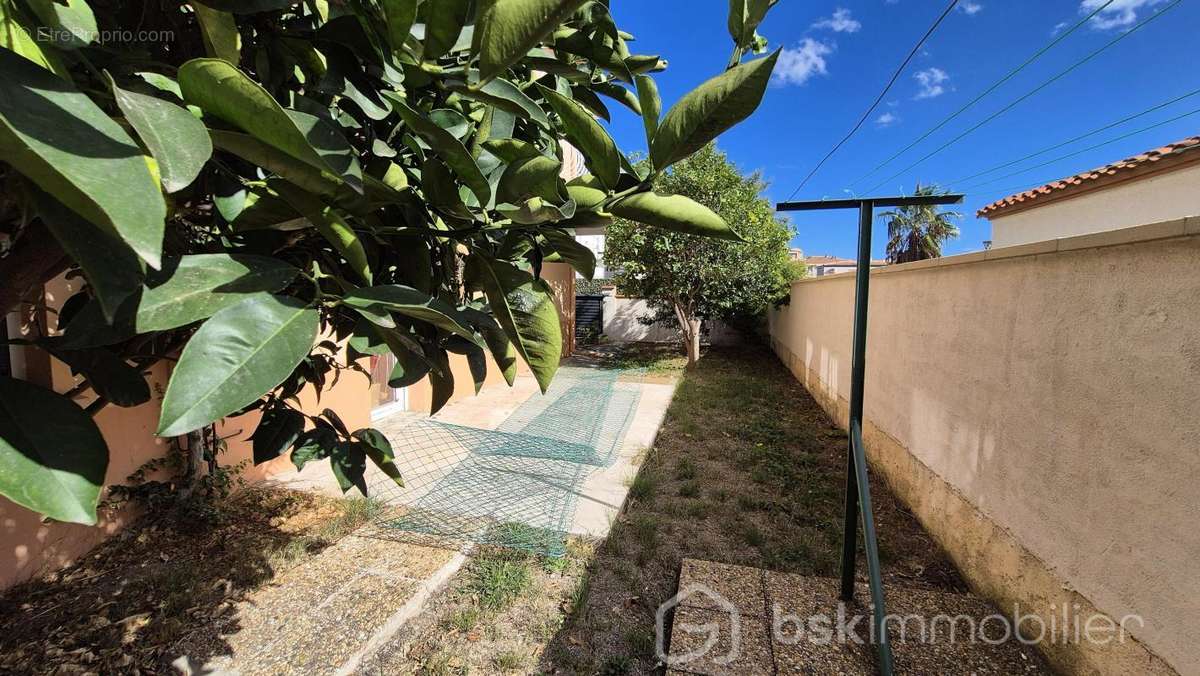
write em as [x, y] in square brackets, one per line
[503, 352]
[674, 212]
[506, 29]
[112, 268]
[593, 141]
[379, 450]
[240, 354]
[441, 380]
[279, 428]
[52, 456]
[444, 20]
[620, 94]
[744, 18]
[220, 89]
[220, 33]
[333, 227]
[568, 250]
[16, 36]
[54, 135]
[536, 176]
[504, 95]
[447, 146]
[109, 376]
[198, 286]
[410, 302]
[651, 104]
[399, 15]
[177, 140]
[276, 161]
[586, 191]
[710, 109]
[524, 306]
[336, 152]
[71, 22]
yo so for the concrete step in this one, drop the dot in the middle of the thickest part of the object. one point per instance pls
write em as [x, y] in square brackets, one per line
[738, 620]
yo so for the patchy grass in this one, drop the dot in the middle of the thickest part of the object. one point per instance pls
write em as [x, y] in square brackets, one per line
[119, 608]
[747, 470]
[496, 577]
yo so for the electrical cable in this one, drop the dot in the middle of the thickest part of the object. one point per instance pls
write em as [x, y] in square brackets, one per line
[1030, 93]
[1068, 142]
[895, 76]
[995, 85]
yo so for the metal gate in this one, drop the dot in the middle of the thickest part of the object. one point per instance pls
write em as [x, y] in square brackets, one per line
[589, 318]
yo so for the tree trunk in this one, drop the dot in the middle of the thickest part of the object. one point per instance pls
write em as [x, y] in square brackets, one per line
[195, 461]
[690, 326]
[693, 342]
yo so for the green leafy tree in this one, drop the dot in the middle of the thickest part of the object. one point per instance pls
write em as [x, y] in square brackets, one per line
[247, 186]
[917, 232]
[687, 277]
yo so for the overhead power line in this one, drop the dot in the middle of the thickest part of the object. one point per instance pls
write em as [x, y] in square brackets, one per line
[895, 76]
[1028, 94]
[1080, 137]
[995, 85]
[1084, 150]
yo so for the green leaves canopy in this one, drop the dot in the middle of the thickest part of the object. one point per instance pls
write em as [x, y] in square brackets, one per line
[384, 175]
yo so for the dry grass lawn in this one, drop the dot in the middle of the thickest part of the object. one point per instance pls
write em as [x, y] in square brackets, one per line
[747, 470]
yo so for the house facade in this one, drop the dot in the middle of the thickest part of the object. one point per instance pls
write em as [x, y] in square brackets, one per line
[1157, 185]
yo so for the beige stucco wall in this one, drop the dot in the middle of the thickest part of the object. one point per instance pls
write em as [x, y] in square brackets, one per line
[1038, 408]
[1168, 195]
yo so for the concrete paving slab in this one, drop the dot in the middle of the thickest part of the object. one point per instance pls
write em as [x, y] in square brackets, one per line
[806, 630]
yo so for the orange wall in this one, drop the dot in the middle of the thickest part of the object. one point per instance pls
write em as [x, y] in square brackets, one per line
[29, 548]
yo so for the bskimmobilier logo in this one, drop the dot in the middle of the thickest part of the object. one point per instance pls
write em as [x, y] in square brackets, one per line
[712, 631]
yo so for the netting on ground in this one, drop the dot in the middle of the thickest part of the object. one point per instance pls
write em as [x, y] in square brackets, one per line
[516, 486]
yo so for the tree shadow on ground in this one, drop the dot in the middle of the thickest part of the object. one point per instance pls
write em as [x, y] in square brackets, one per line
[122, 607]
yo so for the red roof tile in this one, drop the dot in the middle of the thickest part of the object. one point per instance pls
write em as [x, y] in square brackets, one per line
[1130, 167]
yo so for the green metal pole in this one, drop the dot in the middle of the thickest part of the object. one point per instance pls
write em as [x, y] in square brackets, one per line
[862, 282]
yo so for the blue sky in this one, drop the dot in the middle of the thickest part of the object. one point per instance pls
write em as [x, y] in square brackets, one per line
[839, 55]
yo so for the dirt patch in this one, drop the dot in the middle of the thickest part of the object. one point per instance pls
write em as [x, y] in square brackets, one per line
[121, 608]
[747, 470]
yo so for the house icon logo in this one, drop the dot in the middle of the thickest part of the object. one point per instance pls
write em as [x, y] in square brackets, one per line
[711, 630]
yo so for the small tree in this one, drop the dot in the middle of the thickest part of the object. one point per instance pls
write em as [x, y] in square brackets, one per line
[693, 278]
[917, 232]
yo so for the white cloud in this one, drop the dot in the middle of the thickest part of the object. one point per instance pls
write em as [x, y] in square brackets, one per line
[886, 120]
[1058, 27]
[797, 65]
[1119, 14]
[840, 22]
[932, 82]
[970, 8]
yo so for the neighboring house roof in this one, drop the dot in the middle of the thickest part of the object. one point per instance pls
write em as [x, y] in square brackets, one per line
[1168, 157]
[839, 262]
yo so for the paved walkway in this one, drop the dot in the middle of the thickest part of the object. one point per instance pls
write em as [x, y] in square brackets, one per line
[325, 615]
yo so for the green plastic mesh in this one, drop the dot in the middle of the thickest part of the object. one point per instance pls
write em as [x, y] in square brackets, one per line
[515, 486]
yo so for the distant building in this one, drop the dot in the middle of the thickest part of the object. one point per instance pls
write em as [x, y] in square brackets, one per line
[1157, 185]
[796, 254]
[819, 266]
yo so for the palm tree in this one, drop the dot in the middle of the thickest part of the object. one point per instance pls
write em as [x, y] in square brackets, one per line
[917, 232]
